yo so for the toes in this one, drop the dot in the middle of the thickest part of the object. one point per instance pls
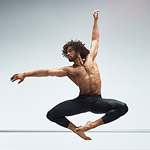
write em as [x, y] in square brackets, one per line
[88, 138]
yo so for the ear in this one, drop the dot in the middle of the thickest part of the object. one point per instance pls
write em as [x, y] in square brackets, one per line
[78, 53]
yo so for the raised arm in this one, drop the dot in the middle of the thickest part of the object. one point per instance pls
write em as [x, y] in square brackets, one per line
[95, 36]
[60, 72]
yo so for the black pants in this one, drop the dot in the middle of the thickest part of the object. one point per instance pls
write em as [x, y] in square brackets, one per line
[113, 109]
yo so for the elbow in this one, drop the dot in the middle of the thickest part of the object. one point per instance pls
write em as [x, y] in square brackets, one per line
[96, 39]
[46, 73]
[95, 43]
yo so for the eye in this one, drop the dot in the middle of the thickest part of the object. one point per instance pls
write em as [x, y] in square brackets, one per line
[70, 50]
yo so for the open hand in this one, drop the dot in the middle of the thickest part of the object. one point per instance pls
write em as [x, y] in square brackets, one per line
[95, 14]
[18, 76]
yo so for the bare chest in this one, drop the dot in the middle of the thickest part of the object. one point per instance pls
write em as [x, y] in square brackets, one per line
[84, 75]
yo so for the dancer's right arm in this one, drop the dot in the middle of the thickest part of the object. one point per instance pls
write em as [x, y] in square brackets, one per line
[60, 72]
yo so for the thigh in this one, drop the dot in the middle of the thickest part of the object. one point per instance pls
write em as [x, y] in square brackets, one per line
[67, 108]
[103, 105]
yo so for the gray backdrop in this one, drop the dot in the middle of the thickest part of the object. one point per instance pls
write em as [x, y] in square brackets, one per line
[32, 34]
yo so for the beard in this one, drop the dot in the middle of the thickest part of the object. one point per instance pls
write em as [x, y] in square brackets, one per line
[73, 58]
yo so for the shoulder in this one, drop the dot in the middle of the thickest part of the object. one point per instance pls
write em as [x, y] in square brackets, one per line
[71, 71]
[68, 69]
[89, 61]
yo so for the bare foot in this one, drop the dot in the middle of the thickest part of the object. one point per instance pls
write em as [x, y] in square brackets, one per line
[86, 127]
[82, 135]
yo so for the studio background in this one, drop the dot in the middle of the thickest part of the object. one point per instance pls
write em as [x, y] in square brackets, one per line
[32, 34]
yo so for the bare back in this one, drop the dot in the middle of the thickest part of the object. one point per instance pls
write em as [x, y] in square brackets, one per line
[86, 77]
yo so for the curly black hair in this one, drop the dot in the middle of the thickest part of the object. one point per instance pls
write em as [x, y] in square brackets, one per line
[77, 45]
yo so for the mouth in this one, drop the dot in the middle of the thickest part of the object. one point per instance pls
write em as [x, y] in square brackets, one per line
[70, 58]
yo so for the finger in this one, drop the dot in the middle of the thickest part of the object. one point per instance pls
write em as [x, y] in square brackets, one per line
[14, 76]
[14, 80]
[98, 10]
[96, 14]
[20, 81]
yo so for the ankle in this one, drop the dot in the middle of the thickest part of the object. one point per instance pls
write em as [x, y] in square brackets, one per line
[72, 127]
[99, 122]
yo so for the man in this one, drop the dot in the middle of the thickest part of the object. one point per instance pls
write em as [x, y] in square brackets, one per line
[85, 74]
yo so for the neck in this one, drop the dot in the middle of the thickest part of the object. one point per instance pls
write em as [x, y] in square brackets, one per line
[78, 62]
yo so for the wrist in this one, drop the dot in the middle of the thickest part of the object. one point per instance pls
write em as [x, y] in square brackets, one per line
[24, 75]
[95, 20]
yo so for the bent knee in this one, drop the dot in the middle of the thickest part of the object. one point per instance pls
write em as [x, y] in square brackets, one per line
[50, 116]
[123, 108]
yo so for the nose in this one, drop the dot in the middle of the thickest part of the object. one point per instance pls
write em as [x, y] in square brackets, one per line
[68, 54]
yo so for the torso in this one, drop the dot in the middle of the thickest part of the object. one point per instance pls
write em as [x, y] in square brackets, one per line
[86, 77]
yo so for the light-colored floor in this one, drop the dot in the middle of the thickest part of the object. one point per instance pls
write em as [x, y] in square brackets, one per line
[70, 141]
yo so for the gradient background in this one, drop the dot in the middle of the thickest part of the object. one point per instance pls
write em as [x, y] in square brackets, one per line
[32, 34]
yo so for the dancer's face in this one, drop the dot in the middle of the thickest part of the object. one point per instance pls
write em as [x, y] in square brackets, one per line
[72, 54]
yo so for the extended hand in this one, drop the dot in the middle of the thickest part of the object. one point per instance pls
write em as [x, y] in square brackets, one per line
[95, 14]
[18, 76]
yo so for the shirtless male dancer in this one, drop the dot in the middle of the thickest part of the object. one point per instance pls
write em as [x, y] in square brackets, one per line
[85, 74]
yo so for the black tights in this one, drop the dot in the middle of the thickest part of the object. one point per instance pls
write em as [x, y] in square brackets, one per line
[113, 109]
